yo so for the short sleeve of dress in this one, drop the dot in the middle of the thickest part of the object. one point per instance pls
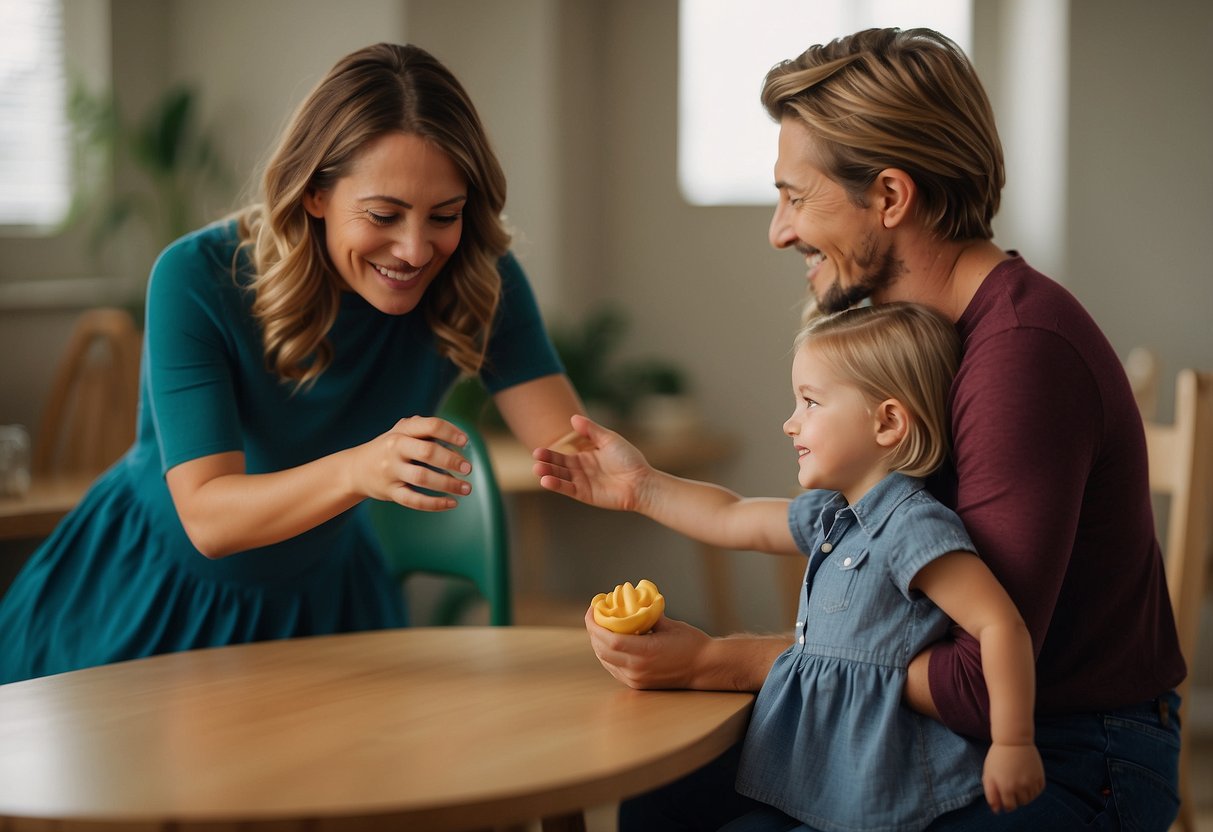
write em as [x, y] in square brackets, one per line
[519, 348]
[189, 374]
[925, 530]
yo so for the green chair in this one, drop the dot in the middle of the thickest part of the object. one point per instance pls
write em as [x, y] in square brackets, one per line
[469, 542]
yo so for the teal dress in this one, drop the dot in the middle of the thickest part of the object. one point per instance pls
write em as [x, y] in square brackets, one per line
[118, 578]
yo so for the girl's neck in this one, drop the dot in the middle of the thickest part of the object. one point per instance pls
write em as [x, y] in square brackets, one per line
[856, 492]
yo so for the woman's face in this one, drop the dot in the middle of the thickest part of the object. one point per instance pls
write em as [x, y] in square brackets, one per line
[392, 223]
[849, 257]
[833, 429]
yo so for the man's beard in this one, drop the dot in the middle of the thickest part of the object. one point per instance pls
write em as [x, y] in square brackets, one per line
[883, 268]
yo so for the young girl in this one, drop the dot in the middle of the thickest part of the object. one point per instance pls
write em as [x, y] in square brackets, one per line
[830, 744]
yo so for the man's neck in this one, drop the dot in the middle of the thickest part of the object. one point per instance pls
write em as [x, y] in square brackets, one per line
[942, 275]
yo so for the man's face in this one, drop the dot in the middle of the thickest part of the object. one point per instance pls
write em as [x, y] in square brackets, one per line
[848, 255]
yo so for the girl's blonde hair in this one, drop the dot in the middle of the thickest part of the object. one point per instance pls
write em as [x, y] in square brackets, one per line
[901, 351]
[887, 98]
[378, 90]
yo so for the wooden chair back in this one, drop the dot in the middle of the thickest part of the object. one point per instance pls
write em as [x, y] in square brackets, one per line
[1181, 468]
[1141, 366]
[90, 414]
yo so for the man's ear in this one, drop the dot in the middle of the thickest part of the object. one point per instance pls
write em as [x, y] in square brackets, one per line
[892, 423]
[894, 193]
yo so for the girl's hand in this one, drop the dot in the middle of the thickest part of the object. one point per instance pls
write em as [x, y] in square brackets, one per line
[662, 658]
[394, 464]
[1013, 776]
[608, 471]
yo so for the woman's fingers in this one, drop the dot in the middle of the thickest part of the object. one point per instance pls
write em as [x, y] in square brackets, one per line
[430, 440]
[410, 497]
[416, 464]
[431, 427]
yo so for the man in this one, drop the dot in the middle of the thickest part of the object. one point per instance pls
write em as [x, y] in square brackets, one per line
[889, 174]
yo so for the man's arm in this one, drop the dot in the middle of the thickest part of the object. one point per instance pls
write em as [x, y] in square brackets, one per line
[1024, 428]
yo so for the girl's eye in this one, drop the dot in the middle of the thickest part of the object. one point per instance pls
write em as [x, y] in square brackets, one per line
[445, 219]
[380, 219]
[809, 403]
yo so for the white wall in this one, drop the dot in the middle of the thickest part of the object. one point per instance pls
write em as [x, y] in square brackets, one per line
[256, 61]
[1140, 177]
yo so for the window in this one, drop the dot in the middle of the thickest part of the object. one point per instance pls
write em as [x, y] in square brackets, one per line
[726, 141]
[34, 137]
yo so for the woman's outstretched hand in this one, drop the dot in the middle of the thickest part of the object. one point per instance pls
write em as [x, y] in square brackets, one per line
[416, 453]
[607, 471]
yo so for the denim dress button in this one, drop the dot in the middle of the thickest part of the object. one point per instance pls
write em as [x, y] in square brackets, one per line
[827, 547]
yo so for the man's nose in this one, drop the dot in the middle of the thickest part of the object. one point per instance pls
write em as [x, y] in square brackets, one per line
[780, 233]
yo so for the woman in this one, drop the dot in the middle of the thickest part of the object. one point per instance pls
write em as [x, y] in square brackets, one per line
[889, 174]
[293, 355]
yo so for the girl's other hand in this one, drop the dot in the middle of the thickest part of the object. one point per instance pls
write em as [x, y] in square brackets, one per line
[607, 471]
[415, 453]
[1013, 776]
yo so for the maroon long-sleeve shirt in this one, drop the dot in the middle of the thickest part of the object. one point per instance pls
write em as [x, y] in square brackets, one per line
[1051, 481]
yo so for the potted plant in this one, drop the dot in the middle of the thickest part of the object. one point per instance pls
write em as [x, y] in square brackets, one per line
[169, 164]
[659, 403]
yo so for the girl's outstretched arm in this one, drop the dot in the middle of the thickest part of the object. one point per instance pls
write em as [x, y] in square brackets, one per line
[962, 586]
[609, 472]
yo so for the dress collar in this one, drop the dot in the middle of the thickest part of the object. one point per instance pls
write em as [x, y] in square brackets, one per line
[875, 507]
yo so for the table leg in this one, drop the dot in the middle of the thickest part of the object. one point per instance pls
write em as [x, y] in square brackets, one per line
[719, 589]
[574, 822]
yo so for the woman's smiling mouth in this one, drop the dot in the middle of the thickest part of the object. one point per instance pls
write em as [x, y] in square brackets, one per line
[396, 275]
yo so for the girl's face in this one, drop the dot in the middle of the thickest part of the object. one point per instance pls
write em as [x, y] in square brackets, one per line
[394, 221]
[833, 429]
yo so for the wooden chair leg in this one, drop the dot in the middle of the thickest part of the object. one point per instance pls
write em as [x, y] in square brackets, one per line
[572, 822]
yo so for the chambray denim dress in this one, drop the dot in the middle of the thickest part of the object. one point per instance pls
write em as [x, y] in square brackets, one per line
[830, 742]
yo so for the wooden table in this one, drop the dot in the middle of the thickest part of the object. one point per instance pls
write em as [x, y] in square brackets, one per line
[35, 513]
[419, 729]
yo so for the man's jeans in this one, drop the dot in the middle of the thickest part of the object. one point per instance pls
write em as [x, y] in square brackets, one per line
[1112, 771]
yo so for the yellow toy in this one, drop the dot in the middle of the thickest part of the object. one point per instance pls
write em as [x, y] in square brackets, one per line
[629, 609]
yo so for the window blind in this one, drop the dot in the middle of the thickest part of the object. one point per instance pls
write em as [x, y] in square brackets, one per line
[35, 178]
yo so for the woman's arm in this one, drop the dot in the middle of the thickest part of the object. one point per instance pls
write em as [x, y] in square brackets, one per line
[962, 586]
[537, 411]
[225, 510]
[612, 474]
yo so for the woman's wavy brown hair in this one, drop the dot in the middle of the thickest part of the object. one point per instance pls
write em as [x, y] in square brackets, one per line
[382, 89]
[902, 351]
[888, 98]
